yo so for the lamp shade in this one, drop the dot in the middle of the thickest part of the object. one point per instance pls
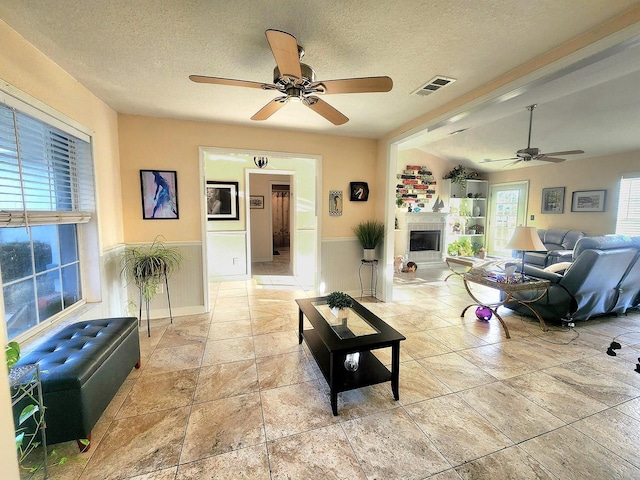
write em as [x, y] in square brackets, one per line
[526, 239]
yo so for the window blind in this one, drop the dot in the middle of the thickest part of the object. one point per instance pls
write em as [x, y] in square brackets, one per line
[628, 219]
[46, 174]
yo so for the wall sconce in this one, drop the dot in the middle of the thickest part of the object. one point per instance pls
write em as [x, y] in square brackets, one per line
[261, 162]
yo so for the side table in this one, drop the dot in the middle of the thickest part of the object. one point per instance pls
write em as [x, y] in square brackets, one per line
[373, 285]
[509, 289]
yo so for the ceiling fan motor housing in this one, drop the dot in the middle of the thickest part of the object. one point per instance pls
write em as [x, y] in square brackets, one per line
[308, 77]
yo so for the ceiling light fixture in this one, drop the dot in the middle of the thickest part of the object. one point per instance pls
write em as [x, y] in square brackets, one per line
[260, 161]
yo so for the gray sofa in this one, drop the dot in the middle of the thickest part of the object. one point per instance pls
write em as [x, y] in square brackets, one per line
[604, 278]
[560, 244]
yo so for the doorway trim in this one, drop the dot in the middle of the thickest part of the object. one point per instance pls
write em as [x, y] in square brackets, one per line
[292, 228]
[246, 156]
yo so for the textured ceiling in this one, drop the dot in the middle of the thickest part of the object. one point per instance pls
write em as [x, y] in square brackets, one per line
[137, 55]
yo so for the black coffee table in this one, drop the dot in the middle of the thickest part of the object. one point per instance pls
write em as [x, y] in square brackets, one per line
[331, 340]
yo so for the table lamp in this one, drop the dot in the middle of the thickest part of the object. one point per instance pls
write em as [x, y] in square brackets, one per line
[525, 239]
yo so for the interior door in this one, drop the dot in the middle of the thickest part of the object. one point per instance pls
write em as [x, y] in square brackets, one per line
[507, 210]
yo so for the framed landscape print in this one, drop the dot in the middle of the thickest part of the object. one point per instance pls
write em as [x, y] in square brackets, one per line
[159, 189]
[588, 201]
[222, 200]
[553, 200]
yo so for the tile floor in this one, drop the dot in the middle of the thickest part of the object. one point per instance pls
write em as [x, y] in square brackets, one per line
[231, 395]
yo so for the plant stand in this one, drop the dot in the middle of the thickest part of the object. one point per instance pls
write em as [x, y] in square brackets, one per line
[373, 285]
[147, 301]
[25, 384]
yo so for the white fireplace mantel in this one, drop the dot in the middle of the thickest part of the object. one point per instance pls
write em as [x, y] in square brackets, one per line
[425, 221]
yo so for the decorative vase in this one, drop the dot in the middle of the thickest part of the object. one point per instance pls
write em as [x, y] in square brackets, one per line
[476, 211]
[352, 361]
[341, 314]
[369, 254]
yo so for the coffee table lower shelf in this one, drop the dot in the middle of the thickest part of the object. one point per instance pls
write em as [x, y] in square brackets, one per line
[370, 371]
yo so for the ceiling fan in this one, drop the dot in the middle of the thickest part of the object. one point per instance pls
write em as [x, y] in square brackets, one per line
[532, 153]
[296, 81]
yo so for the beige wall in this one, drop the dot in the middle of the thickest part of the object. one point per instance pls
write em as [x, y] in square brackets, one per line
[160, 143]
[261, 238]
[600, 173]
[27, 69]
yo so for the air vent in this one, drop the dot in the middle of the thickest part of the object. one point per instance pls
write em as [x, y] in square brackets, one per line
[433, 85]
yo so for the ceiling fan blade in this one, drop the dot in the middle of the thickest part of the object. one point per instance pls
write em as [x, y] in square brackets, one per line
[488, 160]
[512, 163]
[228, 81]
[550, 159]
[355, 85]
[285, 51]
[327, 111]
[568, 152]
[269, 109]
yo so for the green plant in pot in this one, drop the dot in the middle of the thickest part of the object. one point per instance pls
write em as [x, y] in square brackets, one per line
[339, 303]
[370, 233]
[147, 266]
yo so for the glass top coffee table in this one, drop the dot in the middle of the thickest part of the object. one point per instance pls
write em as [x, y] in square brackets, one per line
[334, 341]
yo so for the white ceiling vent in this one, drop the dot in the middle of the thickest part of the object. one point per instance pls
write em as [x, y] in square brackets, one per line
[433, 85]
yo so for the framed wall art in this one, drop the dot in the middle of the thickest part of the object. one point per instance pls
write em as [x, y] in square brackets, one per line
[222, 200]
[588, 201]
[359, 191]
[335, 203]
[553, 200]
[159, 189]
[256, 201]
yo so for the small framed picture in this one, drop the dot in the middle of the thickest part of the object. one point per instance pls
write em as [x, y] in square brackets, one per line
[553, 200]
[222, 200]
[256, 201]
[335, 203]
[359, 191]
[159, 190]
[588, 201]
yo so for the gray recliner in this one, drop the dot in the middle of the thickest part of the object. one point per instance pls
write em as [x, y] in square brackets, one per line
[591, 285]
[560, 244]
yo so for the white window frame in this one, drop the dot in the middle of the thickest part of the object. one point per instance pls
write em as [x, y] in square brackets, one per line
[628, 212]
[87, 233]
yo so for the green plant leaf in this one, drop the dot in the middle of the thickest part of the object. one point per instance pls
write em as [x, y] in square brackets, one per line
[27, 412]
[19, 440]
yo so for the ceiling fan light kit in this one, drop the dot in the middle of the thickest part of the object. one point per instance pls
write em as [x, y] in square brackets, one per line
[533, 153]
[296, 81]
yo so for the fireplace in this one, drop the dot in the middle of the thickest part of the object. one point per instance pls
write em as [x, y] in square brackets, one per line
[424, 240]
[425, 237]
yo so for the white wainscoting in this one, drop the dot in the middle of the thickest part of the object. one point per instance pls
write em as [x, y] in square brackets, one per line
[185, 286]
[227, 255]
[341, 259]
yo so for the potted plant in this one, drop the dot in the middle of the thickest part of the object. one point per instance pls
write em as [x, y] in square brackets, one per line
[370, 233]
[460, 175]
[146, 266]
[339, 303]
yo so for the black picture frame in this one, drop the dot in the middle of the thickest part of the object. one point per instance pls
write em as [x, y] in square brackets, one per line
[222, 200]
[159, 192]
[552, 200]
[359, 191]
[588, 201]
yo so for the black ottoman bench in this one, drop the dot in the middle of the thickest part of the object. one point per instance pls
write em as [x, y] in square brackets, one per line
[82, 367]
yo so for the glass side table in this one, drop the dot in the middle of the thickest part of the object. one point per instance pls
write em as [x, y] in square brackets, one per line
[26, 387]
[373, 285]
